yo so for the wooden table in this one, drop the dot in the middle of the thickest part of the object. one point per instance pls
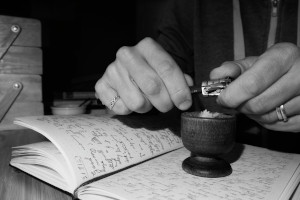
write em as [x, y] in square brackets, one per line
[16, 185]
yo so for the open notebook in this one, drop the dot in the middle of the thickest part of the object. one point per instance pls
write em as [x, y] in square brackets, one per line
[136, 157]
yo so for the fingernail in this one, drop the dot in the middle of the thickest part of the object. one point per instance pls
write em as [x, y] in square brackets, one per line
[185, 105]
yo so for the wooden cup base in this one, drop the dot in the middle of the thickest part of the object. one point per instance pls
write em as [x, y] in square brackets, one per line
[206, 167]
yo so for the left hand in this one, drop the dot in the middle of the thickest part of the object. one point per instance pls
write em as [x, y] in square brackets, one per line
[263, 83]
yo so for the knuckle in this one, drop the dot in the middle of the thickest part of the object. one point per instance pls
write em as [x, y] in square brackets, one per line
[98, 86]
[286, 50]
[166, 69]
[136, 103]
[121, 110]
[292, 48]
[151, 86]
[252, 85]
[257, 106]
[125, 53]
[146, 42]
[111, 71]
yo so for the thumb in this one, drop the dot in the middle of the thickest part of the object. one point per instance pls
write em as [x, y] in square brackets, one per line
[232, 68]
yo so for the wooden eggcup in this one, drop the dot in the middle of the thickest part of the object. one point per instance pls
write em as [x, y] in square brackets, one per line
[207, 139]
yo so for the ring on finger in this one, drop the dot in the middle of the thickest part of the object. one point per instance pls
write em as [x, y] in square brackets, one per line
[281, 113]
[113, 102]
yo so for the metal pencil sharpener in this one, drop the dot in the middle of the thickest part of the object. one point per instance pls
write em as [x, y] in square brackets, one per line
[214, 87]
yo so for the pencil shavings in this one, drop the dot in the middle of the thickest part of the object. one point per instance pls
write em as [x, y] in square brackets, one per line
[207, 114]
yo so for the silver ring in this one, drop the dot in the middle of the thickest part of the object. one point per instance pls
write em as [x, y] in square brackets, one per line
[281, 114]
[113, 102]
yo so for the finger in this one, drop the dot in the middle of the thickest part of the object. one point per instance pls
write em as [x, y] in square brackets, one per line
[128, 90]
[265, 71]
[292, 125]
[106, 94]
[169, 72]
[189, 80]
[232, 68]
[286, 88]
[125, 87]
[291, 108]
[145, 78]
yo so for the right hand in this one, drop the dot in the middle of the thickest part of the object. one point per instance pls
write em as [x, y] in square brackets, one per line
[144, 76]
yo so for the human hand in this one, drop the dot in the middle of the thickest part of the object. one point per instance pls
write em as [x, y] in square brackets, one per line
[263, 83]
[144, 76]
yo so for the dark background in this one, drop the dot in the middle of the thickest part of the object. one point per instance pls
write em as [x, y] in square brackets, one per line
[80, 37]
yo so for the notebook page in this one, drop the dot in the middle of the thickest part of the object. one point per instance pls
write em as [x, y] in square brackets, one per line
[94, 146]
[258, 174]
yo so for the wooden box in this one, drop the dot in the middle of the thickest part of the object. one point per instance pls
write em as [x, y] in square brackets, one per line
[20, 63]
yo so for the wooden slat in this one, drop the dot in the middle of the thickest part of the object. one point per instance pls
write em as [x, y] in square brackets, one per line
[32, 86]
[22, 60]
[19, 109]
[30, 34]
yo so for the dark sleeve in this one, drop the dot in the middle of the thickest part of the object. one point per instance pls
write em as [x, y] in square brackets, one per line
[175, 33]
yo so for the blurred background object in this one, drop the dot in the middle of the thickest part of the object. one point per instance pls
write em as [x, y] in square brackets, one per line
[80, 38]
